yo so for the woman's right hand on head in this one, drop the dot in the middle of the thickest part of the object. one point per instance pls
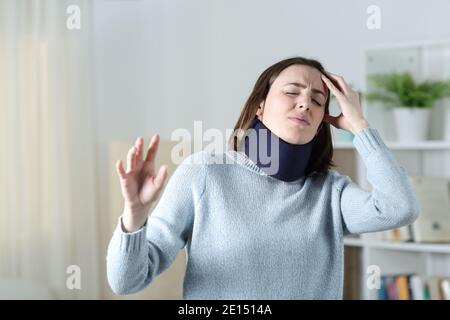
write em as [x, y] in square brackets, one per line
[140, 184]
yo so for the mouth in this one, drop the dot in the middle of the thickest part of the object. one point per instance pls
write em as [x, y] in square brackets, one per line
[299, 121]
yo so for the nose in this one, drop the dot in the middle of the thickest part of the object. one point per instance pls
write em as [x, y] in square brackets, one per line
[304, 103]
[304, 107]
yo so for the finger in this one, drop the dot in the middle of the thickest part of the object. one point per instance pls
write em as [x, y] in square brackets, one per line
[161, 176]
[342, 85]
[152, 149]
[140, 147]
[120, 171]
[130, 160]
[134, 157]
[331, 86]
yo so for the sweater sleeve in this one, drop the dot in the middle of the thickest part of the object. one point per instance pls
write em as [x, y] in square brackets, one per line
[391, 203]
[135, 259]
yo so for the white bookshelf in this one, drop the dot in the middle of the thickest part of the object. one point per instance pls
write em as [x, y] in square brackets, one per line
[443, 248]
[425, 260]
[428, 158]
[436, 145]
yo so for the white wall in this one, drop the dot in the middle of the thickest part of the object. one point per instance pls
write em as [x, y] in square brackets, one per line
[160, 65]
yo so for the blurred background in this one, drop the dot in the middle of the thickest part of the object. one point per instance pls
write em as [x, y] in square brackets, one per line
[80, 80]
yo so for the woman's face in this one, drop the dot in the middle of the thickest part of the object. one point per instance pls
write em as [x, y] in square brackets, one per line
[297, 92]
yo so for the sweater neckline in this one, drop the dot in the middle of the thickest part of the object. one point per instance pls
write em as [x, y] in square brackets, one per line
[242, 159]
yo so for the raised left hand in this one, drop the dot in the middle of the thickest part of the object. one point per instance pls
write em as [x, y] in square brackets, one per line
[351, 117]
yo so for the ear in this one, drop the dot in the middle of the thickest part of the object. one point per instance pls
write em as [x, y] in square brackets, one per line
[260, 110]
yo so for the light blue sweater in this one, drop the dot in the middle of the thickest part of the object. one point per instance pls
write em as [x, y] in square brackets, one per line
[251, 236]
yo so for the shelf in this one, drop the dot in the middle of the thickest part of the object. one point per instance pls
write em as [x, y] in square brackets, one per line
[425, 145]
[400, 246]
[427, 158]
[353, 242]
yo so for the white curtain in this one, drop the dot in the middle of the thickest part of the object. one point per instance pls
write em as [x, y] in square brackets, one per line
[48, 208]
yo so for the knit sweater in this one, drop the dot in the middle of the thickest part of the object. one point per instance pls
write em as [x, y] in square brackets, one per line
[250, 236]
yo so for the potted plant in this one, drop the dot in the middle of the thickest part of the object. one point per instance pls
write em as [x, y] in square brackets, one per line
[411, 101]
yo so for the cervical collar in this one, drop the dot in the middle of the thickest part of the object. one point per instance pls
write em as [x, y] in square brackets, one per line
[276, 157]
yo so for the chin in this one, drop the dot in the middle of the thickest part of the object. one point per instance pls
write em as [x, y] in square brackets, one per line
[297, 140]
[301, 137]
[304, 141]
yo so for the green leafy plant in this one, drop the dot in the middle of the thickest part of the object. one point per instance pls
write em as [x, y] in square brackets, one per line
[400, 89]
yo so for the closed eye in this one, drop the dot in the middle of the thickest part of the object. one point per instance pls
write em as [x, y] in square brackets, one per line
[293, 93]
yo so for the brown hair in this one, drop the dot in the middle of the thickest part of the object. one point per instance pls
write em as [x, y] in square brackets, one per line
[320, 160]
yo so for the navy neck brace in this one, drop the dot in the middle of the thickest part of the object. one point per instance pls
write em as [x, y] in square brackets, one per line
[276, 157]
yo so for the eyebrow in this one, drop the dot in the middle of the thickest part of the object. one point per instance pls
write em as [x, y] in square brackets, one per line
[301, 85]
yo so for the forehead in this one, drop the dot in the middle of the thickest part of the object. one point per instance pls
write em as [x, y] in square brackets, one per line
[300, 73]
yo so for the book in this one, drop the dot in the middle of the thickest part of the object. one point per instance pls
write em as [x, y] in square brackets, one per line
[402, 287]
[382, 292]
[434, 288]
[391, 288]
[417, 288]
[413, 287]
[445, 289]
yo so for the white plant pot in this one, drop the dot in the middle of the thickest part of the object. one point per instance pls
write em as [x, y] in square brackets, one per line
[412, 123]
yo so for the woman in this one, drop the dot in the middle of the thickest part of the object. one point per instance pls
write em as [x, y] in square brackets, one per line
[252, 232]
